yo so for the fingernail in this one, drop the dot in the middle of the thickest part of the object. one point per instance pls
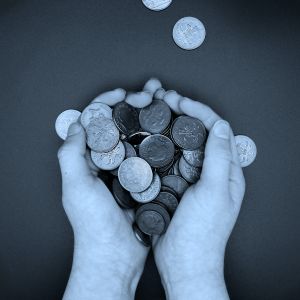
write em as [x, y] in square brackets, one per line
[74, 128]
[221, 129]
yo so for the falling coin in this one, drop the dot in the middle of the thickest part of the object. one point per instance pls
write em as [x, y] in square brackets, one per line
[176, 183]
[142, 237]
[157, 5]
[122, 196]
[246, 150]
[64, 120]
[194, 157]
[189, 173]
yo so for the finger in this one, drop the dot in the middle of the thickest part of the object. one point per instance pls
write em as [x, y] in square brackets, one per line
[200, 111]
[152, 85]
[172, 98]
[139, 99]
[94, 169]
[111, 98]
[160, 93]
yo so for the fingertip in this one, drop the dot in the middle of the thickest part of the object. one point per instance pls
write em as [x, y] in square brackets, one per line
[152, 85]
[140, 99]
[172, 98]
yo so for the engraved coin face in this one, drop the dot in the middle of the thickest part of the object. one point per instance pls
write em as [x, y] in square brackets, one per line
[189, 173]
[142, 237]
[155, 117]
[109, 160]
[95, 111]
[135, 174]
[122, 196]
[176, 183]
[157, 5]
[189, 33]
[246, 150]
[64, 120]
[150, 193]
[194, 157]
[157, 150]
[188, 133]
[102, 135]
[126, 118]
[169, 200]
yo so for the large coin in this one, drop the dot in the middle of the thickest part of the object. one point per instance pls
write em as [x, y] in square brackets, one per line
[157, 150]
[189, 33]
[156, 117]
[246, 150]
[150, 193]
[142, 237]
[64, 120]
[157, 5]
[194, 157]
[122, 196]
[102, 135]
[95, 111]
[126, 118]
[135, 174]
[189, 173]
[109, 160]
[188, 133]
[169, 200]
[176, 183]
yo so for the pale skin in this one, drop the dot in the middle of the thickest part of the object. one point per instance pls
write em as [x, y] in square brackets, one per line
[108, 260]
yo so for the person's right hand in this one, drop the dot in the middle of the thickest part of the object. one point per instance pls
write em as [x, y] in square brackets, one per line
[190, 255]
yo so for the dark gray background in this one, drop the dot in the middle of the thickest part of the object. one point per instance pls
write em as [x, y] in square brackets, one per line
[57, 55]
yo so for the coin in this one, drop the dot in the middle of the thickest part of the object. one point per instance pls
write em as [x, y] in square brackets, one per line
[188, 133]
[135, 174]
[189, 173]
[102, 135]
[155, 117]
[169, 200]
[126, 118]
[150, 193]
[95, 111]
[246, 150]
[129, 150]
[176, 183]
[157, 5]
[157, 150]
[64, 120]
[122, 196]
[137, 137]
[189, 33]
[166, 168]
[142, 237]
[169, 190]
[194, 157]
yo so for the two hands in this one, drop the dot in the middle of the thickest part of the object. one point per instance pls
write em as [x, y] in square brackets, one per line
[108, 260]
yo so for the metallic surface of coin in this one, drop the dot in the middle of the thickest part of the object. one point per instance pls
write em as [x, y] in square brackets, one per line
[109, 160]
[246, 150]
[135, 174]
[157, 5]
[122, 196]
[176, 170]
[137, 137]
[176, 183]
[169, 190]
[189, 33]
[157, 150]
[64, 120]
[142, 237]
[156, 117]
[188, 133]
[189, 173]
[102, 135]
[126, 118]
[129, 150]
[169, 200]
[194, 157]
[150, 193]
[95, 111]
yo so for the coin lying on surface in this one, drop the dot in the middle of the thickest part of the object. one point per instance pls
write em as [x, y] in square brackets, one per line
[64, 120]
[246, 150]
[157, 5]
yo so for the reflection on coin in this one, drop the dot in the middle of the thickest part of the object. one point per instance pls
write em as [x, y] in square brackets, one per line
[142, 237]
[169, 200]
[102, 135]
[157, 150]
[194, 157]
[189, 173]
[157, 5]
[189, 33]
[155, 117]
[150, 193]
[64, 120]
[95, 111]
[246, 150]
[188, 133]
[135, 174]
[122, 196]
[126, 118]
[109, 160]
[176, 183]
[137, 137]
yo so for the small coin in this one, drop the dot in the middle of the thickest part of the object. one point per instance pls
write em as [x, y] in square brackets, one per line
[246, 150]
[189, 33]
[169, 200]
[95, 111]
[109, 160]
[157, 5]
[150, 193]
[188, 133]
[155, 117]
[176, 183]
[142, 237]
[126, 118]
[189, 173]
[64, 120]
[102, 135]
[137, 137]
[157, 150]
[135, 174]
[169, 190]
[194, 157]
[122, 196]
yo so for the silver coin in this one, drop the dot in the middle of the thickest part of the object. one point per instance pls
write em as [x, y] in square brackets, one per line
[189, 33]
[64, 120]
[176, 183]
[194, 157]
[142, 237]
[246, 150]
[109, 160]
[176, 170]
[169, 200]
[102, 135]
[135, 174]
[95, 111]
[136, 138]
[157, 5]
[189, 173]
[150, 193]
